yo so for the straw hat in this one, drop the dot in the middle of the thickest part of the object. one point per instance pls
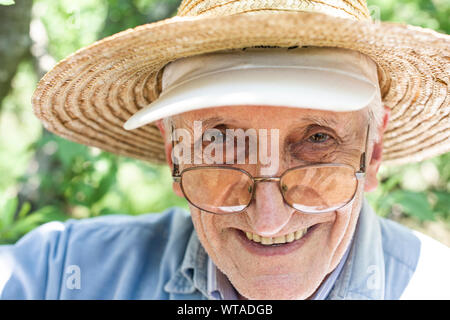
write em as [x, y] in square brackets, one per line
[88, 96]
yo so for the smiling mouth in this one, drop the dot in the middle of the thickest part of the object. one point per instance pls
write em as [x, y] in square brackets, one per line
[275, 241]
[275, 246]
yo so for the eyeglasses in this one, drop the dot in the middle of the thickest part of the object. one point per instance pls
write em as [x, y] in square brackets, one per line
[313, 188]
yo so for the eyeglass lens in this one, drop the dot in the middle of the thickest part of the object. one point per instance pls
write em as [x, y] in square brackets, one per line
[311, 189]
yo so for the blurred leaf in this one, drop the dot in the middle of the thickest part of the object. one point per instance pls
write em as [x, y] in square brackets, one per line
[20, 227]
[106, 183]
[414, 203]
[26, 221]
[391, 182]
[24, 210]
[442, 205]
[8, 209]
[106, 211]
[67, 151]
[51, 213]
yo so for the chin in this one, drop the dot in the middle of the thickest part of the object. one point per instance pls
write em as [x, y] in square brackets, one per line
[277, 288]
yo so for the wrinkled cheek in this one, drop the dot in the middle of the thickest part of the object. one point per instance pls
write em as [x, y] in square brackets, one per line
[351, 211]
[209, 233]
[343, 229]
[340, 226]
[197, 220]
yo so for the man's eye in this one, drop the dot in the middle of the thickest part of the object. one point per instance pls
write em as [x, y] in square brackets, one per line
[319, 137]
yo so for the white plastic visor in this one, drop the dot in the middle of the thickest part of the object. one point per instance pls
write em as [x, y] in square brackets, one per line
[331, 79]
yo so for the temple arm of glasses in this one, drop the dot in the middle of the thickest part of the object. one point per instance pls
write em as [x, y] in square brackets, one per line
[362, 161]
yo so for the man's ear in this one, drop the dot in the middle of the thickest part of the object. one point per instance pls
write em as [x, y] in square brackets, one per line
[377, 152]
[168, 153]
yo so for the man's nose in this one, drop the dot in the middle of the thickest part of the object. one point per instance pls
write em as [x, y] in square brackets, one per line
[268, 213]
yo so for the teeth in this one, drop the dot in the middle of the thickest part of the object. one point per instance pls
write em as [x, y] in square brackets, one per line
[298, 234]
[277, 240]
[266, 241]
[281, 239]
[290, 237]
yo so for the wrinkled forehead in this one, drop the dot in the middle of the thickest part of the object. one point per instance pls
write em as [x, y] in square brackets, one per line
[272, 117]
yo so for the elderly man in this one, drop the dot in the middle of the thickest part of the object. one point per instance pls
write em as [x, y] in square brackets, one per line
[272, 142]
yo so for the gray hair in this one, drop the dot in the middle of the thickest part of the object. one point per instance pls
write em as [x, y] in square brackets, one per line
[375, 114]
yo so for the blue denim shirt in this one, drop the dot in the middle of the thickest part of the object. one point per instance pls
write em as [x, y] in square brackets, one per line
[159, 256]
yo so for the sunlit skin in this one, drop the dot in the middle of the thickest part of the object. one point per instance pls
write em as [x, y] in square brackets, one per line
[336, 137]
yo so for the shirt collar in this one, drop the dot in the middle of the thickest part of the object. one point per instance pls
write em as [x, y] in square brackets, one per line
[363, 275]
[192, 273]
[327, 285]
[219, 287]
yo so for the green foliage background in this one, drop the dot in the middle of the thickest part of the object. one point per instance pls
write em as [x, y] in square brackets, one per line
[45, 178]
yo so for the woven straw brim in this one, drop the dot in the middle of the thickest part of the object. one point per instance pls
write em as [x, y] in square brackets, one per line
[88, 96]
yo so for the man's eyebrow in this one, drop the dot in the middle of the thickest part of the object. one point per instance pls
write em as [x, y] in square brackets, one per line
[321, 121]
[209, 122]
[206, 123]
[342, 128]
[330, 122]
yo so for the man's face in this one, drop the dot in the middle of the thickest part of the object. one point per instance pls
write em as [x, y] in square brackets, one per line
[293, 270]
